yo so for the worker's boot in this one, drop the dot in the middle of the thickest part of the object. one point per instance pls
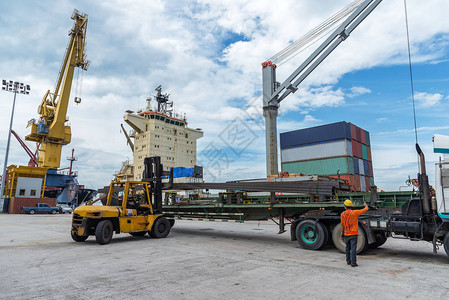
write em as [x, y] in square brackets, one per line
[354, 265]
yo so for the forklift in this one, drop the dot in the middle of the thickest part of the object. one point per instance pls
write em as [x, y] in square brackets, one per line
[133, 207]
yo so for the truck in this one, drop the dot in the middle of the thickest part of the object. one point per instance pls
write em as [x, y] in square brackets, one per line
[133, 207]
[40, 208]
[423, 216]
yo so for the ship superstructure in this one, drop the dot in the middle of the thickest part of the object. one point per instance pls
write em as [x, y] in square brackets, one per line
[160, 132]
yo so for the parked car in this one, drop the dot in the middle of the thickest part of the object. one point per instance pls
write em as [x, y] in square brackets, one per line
[64, 208]
[40, 208]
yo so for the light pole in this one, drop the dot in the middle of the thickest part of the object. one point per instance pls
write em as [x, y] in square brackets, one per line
[13, 87]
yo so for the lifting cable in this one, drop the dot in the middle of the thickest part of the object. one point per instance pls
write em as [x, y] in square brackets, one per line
[314, 35]
[411, 77]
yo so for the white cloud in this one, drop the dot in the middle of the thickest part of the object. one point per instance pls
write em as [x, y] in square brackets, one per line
[358, 91]
[428, 99]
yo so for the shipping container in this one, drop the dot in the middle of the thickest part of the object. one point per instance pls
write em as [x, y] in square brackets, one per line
[357, 149]
[368, 142]
[353, 131]
[370, 169]
[358, 134]
[368, 153]
[364, 152]
[329, 132]
[366, 168]
[16, 204]
[327, 166]
[317, 151]
[361, 167]
[371, 181]
[362, 184]
[356, 165]
[363, 136]
[368, 184]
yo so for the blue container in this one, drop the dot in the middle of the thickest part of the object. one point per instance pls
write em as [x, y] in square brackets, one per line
[334, 131]
[368, 143]
[356, 166]
[366, 167]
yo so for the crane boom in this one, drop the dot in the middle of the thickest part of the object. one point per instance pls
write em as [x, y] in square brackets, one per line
[274, 92]
[51, 131]
[128, 139]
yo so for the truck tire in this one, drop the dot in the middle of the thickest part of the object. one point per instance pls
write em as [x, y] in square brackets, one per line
[311, 235]
[103, 232]
[380, 240]
[78, 238]
[53, 211]
[362, 242]
[446, 243]
[31, 211]
[140, 233]
[161, 228]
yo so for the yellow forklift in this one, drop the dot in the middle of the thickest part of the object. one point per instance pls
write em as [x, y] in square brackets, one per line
[133, 207]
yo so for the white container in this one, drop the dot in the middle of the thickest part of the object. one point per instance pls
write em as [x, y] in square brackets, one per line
[361, 167]
[317, 151]
[362, 184]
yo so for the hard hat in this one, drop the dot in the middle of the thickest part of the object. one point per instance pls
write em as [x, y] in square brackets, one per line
[347, 202]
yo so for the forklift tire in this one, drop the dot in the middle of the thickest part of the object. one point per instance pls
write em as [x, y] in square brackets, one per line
[446, 243]
[380, 240]
[362, 242]
[78, 238]
[103, 232]
[311, 235]
[139, 233]
[161, 228]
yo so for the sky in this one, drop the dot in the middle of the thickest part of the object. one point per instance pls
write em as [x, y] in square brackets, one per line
[207, 55]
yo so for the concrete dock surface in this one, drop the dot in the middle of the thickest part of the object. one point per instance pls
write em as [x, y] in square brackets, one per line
[206, 260]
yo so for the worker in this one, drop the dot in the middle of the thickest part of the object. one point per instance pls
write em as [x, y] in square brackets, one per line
[350, 230]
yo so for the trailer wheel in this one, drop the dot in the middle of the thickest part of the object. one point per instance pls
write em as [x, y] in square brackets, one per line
[103, 232]
[362, 242]
[311, 235]
[326, 235]
[161, 228]
[78, 238]
[380, 240]
[31, 212]
[446, 243]
[140, 233]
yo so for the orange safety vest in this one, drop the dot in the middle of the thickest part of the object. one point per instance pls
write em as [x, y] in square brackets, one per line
[350, 221]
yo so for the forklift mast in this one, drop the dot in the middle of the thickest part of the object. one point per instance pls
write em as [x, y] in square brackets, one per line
[153, 173]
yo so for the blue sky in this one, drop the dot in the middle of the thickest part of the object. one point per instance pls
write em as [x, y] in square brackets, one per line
[207, 55]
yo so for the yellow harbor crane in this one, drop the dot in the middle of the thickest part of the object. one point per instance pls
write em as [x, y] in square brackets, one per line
[51, 132]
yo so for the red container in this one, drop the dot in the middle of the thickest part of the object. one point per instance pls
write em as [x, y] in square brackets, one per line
[353, 131]
[370, 168]
[355, 183]
[359, 150]
[362, 136]
[354, 148]
[16, 204]
[368, 184]
[358, 134]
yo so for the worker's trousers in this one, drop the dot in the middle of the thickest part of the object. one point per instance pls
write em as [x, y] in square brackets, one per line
[351, 247]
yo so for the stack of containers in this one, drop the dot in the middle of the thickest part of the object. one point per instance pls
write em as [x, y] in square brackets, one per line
[323, 150]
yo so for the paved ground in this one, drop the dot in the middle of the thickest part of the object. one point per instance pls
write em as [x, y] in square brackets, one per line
[204, 260]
